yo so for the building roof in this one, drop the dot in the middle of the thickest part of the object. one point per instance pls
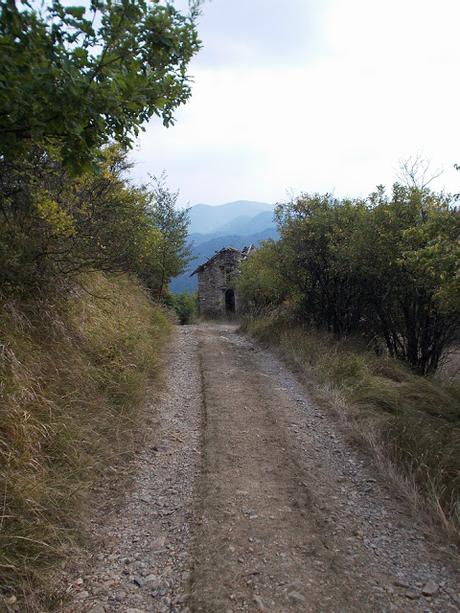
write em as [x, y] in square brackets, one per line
[244, 252]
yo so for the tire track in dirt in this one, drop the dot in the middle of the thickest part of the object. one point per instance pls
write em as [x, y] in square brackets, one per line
[246, 497]
[289, 518]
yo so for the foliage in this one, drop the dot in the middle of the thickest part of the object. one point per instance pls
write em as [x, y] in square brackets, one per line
[82, 76]
[261, 284]
[87, 76]
[385, 267]
[185, 306]
[318, 237]
[74, 372]
[407, 264]
[171, 253]
[55, 226]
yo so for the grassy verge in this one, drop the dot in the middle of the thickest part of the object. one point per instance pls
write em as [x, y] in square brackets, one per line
[410, 424]
[73, 377]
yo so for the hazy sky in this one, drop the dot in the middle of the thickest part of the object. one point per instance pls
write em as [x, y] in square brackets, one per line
[312, 95]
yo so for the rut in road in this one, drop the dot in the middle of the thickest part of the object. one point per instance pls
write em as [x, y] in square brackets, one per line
[291, 519]
[246, 497]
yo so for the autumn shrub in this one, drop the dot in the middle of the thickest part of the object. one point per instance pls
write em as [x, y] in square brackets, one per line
[74, 372]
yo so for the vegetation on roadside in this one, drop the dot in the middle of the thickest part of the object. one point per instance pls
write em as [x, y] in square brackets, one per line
[185, 306]
[83, 254]
[56, 226]
[74, 372]
[384, 268]
[78, 82]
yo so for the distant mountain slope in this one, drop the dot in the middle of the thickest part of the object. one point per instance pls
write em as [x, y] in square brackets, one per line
[206, 249]
[246, 226]
[205, 219]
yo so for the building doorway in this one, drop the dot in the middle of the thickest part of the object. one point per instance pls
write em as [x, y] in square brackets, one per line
[230, 301]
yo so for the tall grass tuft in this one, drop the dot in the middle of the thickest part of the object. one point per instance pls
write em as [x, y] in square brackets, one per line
[410, 423]
[73, 376]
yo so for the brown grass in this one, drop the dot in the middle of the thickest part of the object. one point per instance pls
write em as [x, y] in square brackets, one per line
[410, 424]
[73, 377]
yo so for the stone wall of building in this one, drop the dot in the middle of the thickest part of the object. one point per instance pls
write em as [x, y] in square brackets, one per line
[215, 279]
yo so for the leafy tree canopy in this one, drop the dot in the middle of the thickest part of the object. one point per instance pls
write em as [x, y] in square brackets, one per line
[84, 75]
[384, 268]
[171, 253]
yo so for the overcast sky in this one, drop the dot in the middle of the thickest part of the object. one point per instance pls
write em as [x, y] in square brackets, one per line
[312, 95]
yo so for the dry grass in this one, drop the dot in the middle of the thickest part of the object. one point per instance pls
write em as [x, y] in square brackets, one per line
[73, 376]
[410, 424]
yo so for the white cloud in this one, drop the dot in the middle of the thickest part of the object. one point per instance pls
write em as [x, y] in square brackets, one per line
[381, 86]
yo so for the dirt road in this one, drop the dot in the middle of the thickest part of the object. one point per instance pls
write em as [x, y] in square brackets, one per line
[247, 498]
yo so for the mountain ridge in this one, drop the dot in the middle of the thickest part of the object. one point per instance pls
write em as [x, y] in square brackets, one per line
[206, 219]
[234, 224]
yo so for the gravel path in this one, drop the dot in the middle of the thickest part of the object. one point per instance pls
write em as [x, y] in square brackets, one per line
[141, 557]
[247, 498]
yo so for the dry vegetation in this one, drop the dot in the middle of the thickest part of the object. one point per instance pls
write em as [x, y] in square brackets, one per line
[411, 424]
[73, 376]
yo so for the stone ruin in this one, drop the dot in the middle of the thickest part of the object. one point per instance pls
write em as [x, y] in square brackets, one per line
[217, 296]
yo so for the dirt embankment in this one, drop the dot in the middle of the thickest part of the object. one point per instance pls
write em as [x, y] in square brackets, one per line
[248, 499]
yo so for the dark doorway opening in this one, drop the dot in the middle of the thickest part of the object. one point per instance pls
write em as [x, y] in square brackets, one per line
[229, 301]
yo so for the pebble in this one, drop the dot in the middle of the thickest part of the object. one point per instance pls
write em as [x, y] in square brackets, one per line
[151, 579]
[296, 596]
[259, 602]
[97, 608]
[430, 588]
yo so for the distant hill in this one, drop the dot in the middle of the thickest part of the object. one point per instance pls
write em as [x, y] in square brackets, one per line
[206, 219]
[207, 248]
[246, 225]
[240, 226]
[235, 224]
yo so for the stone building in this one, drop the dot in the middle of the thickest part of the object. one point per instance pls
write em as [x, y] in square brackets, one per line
[216, 291]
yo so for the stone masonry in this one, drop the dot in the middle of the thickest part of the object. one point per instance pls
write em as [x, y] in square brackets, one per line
[217, 296]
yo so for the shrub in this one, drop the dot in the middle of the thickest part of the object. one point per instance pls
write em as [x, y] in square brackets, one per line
[186, 307]
[385, 267]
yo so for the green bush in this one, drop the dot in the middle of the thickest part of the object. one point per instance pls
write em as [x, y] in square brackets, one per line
[185, 306]
[384, 268]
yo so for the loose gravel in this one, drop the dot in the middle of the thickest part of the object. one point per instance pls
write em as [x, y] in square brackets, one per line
[141, 557]
[247, 497]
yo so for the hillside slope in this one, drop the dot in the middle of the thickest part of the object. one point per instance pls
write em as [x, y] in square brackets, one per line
[74, 374]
